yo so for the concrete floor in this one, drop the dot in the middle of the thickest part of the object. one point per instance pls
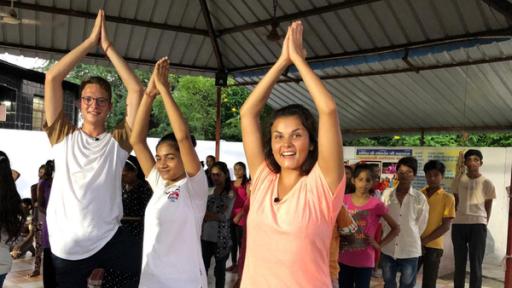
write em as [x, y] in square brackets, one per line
[17, 277]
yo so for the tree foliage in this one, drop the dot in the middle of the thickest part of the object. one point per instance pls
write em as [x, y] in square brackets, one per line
[442, 140]
[195, 95]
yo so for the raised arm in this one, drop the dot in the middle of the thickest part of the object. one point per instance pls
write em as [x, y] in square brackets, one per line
[130, 80]
[330, 145]
[178, 124]
[140, 129]
[53, 93]
[250, 111]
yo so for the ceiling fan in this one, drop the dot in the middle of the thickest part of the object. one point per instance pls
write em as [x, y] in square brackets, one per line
[273, 35]
[11, 17]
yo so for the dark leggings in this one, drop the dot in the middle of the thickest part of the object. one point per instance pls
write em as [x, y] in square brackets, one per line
[209, 250]
[117, 257]
[48, 269]
[236, 238]
[350, 277]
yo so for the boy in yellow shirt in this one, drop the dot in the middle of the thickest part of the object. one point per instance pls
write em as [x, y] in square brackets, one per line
[441, 214]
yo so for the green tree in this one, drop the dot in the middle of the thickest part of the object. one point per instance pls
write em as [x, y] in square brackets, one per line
[196, 96]
[503, 139]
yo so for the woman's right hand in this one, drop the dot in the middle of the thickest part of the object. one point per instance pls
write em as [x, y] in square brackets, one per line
[94, 37]
[285, 50]
[151, 90]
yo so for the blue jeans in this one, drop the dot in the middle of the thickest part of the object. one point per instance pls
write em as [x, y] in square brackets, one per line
[407, 267]
[2, 279]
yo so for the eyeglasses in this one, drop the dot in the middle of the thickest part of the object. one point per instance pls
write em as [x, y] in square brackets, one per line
[102, 102]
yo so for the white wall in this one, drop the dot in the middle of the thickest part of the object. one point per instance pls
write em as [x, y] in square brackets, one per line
[27, 150]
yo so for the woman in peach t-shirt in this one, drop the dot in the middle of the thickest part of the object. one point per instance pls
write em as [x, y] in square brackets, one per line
[298, 183]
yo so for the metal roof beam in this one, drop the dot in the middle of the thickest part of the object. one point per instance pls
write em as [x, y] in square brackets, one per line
[302, 14]
[150, 62]
[502, 6]
[415, 69]
[120, 20]
[366, 52]
[211, 33]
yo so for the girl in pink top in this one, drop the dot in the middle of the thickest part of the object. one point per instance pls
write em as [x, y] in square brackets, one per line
[357, 253]
[240, 188]
[298, 184]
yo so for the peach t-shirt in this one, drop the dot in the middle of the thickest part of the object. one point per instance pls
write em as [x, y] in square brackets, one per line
[288, 241]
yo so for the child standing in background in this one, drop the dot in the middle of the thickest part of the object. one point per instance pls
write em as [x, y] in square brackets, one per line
[357, 256]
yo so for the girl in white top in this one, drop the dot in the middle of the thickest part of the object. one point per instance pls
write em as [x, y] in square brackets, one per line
[172, 225]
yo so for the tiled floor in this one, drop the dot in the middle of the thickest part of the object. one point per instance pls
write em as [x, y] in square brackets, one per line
[17, 278]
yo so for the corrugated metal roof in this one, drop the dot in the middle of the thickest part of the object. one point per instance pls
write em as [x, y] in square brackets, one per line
[344, 38]
[361, 27]
[470, 96]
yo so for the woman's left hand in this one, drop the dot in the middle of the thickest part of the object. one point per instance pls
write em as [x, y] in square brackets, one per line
[297, 51]
[161, 74]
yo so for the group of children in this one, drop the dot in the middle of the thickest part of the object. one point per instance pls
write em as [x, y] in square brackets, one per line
[415, 222]
[297, 189]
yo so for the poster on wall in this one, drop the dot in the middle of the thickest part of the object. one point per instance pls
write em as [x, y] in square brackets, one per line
[448, 156]
[385, 159]
[384, 162]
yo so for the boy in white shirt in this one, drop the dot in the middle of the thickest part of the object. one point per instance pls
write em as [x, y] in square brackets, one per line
[85, 207]
[473, 201]
[409, 208]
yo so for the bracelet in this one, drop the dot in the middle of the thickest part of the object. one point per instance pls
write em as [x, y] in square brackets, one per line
[108, 47]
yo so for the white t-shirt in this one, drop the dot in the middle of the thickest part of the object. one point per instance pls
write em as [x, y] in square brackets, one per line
[172, 230]
[472, 196]
[85, 206]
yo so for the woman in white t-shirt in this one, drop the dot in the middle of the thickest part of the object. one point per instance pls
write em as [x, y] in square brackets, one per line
[172, 225]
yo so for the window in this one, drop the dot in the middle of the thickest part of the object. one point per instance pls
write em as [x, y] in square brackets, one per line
[37, 112]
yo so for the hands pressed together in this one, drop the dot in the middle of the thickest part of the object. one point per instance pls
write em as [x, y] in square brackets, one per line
[293, 50]
[159, 79]
[99, 32]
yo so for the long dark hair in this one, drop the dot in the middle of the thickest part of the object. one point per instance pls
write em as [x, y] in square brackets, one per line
[11, 215]
[310, 124]
[49, 168]
[224, 168]
[244, 178]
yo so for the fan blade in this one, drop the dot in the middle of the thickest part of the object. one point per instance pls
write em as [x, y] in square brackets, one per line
[9, 20]
[30, 22]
